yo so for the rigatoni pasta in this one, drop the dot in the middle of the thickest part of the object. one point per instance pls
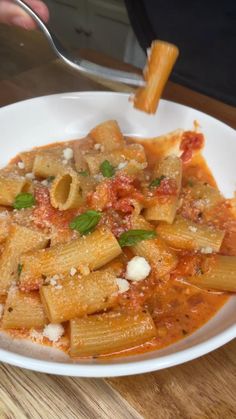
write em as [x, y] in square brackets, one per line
[186, 234]
[167, 178]
[108, 333]
[112, 246]
[85, 254]
[11, 186]
[23, 311]
[19, 241]
[79, 295]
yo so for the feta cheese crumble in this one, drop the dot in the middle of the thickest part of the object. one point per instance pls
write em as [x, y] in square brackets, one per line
[53, 331]
[21, 165]
[137, 269]
[122, 165]
[73, 271]
[68, 153]
[123, 285]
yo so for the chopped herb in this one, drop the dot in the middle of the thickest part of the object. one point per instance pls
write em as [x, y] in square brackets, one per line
[10, 309]
[86, 222]
[83, 173]
[132, 237]
[156, 182]
[107, 169]
[19, 268]
[50, 179]
[24, 200]
[190, 183]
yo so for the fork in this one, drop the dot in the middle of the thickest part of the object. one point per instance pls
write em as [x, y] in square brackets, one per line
[78, 63]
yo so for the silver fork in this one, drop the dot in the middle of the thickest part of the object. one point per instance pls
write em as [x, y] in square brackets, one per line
[77, 63]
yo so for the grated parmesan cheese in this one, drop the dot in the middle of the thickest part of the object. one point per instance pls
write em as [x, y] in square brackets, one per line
[73, 271]
[137, 269]
[207, 250]
[30, 176]
[123, 285]
[53, 331]
[193, 229]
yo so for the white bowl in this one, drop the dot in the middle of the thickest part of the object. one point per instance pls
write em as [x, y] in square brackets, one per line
[68, 116]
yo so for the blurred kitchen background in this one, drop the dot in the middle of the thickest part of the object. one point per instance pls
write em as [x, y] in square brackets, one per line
[101, 25]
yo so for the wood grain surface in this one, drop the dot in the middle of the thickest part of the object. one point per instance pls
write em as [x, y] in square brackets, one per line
[200, 389]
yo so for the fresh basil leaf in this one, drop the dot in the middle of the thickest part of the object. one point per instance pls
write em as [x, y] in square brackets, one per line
[107, 169]
[83, 173]
[156, 182]
[132, 237]
[19, 268]
[24, 200]
[86, 222]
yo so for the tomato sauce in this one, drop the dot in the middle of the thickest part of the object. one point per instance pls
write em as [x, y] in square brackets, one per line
[177, 307]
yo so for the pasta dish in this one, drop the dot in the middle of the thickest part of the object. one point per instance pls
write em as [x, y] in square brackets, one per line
[112, 246]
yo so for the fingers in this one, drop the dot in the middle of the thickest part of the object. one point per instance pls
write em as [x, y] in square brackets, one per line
[11, 14]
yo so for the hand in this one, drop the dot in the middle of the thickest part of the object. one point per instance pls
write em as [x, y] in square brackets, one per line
[12, 14]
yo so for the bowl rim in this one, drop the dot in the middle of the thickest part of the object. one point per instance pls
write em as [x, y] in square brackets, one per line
[114, 368]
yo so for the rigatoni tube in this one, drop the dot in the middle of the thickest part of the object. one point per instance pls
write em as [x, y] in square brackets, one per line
[110, 332]
[20, 239]
[74, 297]
[108, 134]
[91, 251]
[66, 190]
[10, 187]
[23, 310]
[161, 258]
[168, 169]
[221, 275]
[185, 234]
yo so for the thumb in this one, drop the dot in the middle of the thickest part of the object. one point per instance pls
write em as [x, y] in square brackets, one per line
[12, 14]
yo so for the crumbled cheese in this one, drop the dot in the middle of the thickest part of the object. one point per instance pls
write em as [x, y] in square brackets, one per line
[53, 280]
[193, 229]
[21, 165]
[4, 214]
[1, 310]
[97, 146]
[53, 332]
[137, 269]
[122, 165]
[30, 176]
[45, 182]
[36, 335]
[73, 271]
[58, 287]
[123, 285]
[99, 177]
[84, 270]
[64, 162]
[68, 153]
[207, 249]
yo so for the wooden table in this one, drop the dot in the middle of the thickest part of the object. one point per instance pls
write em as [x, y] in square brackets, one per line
[200, 389]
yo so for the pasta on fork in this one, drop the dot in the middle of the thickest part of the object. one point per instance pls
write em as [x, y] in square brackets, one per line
[111, 245]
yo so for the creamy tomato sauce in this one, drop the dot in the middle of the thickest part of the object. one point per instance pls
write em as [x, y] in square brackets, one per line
[177, 307]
